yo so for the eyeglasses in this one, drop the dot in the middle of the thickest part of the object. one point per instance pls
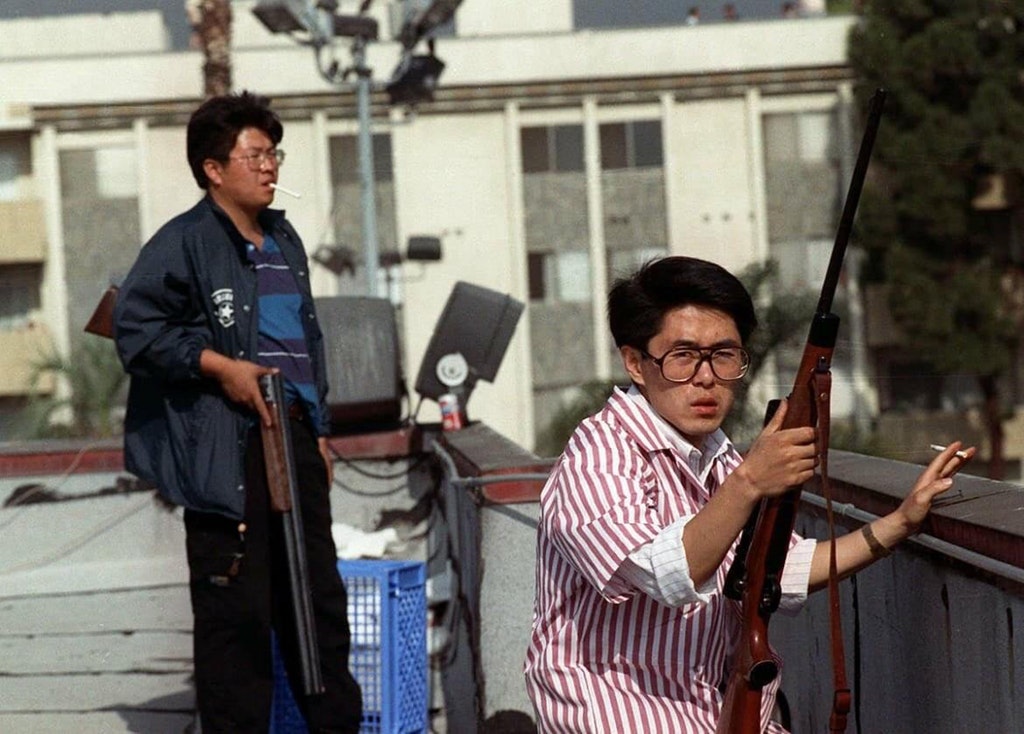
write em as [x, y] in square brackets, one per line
[255, 161]
[681, 364]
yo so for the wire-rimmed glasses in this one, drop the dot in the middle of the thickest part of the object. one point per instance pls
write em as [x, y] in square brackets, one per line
[255, 161]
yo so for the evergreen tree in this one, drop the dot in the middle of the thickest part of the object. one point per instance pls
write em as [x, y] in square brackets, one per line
[953, 127]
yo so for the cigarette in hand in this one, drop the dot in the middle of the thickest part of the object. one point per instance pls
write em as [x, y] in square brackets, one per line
[283, 190]
[939, 447]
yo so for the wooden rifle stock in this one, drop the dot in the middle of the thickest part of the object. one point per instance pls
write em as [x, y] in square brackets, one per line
[755, 577]
[101, 322]
[282, 483]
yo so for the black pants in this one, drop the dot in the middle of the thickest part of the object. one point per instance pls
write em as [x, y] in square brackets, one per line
[240, 591]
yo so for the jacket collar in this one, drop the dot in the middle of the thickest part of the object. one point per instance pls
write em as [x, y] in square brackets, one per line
[269, 219]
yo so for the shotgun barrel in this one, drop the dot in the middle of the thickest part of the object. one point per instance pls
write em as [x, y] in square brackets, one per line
[282, 482]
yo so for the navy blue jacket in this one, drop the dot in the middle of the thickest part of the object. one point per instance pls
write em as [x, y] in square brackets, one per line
[192, 288]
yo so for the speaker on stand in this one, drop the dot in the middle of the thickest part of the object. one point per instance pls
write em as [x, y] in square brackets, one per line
[364, 366]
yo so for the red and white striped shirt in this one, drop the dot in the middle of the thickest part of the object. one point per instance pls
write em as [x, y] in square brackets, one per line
[603, 656]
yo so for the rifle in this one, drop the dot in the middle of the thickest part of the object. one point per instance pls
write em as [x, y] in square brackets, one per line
[282, 483]
[755, 576]
[101, 323]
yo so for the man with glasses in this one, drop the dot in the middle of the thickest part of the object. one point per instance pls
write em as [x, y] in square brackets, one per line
[217, 298]
[641, 514]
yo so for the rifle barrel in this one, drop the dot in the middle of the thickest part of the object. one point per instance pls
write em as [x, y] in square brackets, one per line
[835, 263]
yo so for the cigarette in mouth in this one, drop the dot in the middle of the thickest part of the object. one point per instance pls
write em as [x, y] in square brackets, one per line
[283, 190]
[939, 447]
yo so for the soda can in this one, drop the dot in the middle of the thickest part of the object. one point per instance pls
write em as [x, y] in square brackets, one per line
[451, 414]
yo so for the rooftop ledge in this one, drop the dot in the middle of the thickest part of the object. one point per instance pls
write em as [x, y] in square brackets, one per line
[978, 515]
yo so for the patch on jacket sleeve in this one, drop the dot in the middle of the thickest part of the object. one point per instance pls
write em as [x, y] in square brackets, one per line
[224, 305]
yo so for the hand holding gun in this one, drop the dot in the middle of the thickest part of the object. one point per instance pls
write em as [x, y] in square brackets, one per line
[283, 485]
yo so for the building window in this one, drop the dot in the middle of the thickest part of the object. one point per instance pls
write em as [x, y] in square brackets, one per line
[99, 200]
[631, 145]
[803, 193]
[347, 209]
[19, 295]
[633, 194]
[14, 165]
[553, 148]
[559, 277]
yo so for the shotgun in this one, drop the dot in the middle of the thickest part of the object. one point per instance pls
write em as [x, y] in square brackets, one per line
[755, 576]
[282, 483]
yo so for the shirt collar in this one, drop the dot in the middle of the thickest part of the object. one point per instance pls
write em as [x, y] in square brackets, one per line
[700, 461]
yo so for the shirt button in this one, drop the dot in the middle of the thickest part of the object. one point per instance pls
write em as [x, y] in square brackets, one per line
[240, 488]
[302, 273]
[245, 307]
[241, 352]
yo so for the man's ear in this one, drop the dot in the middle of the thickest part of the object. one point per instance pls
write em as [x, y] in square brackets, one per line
[213, 171]
[631, 359]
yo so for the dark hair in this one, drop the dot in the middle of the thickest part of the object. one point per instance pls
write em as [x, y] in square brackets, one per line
[214, 127]
[637, 304]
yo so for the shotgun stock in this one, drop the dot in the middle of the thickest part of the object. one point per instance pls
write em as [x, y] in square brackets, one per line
[755, 577]
[282, 483]
[101, 322]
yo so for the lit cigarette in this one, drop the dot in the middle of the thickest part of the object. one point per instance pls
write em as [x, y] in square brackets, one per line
[283, 190]
[960, 454]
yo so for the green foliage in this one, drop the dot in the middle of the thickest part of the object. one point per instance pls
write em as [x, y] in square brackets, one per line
[783, 319]
[960, 320]
[954, 116]
[587, 400]
[95, 381]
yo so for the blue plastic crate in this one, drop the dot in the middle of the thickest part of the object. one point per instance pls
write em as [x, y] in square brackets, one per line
[387, 613]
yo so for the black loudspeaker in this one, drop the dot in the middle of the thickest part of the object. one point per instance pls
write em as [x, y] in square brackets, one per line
[477, 323]
[364, 369]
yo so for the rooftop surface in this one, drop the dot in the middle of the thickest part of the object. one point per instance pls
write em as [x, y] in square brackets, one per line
[95, 624]
[95, 618]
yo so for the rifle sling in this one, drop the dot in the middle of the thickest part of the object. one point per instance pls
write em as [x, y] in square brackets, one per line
[841, 689]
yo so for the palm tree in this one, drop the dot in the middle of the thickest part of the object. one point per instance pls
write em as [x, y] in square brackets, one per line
[95, 382]
[211, 26]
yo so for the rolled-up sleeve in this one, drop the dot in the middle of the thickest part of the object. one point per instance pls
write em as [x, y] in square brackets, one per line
[660, 569]
[796, 575]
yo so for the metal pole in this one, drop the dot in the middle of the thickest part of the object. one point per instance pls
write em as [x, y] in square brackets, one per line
[366, 170]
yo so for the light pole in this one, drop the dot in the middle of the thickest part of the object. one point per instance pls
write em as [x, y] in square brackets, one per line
[367, 177]
[316, 23]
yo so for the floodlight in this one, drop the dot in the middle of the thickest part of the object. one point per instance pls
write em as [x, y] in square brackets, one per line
[414, 79]
[336, 258]
[314, 17]
[423, 247]
[420, 22]
[355, 26]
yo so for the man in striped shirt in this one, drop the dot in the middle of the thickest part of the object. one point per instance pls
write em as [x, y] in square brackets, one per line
[640, 517]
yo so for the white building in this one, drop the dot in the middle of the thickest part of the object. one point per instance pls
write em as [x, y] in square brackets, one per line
[550, 160]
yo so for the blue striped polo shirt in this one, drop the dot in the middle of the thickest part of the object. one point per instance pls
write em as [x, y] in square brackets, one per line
[281, 340]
